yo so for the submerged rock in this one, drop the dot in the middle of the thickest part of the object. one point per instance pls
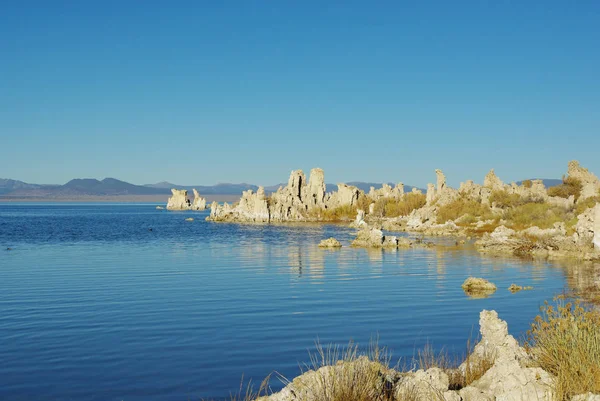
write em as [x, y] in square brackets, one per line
[476, 287]
[516, 288]
[330, 243]
[189, 219]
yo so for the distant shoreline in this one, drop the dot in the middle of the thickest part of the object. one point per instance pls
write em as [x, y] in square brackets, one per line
[159, 199]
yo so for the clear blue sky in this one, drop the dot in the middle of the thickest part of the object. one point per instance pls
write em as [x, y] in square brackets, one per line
[206, 92]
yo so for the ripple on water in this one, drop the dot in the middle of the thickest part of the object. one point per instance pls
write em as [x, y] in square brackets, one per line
[96, 306]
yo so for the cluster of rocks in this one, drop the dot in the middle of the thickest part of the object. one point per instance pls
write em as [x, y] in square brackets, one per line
[511, 375]
[180, 201]
[307, 200]
[374, 238]
[551, 242]
[300, 200]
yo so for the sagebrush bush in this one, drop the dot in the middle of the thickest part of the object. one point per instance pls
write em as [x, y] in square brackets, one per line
[504, 200]
[341, 213]
[570, 186]
[585, 204]
[391, 207]
[565, 341]
[462, 206]
[542, 215]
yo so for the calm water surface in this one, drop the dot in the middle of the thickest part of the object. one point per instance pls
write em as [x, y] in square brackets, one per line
[96, 306]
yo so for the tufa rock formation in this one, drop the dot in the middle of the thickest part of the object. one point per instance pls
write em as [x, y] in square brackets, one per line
[508, 379]
[199, 202]
[180, 201]
[298, 201]
[596, 240]
[590, 184]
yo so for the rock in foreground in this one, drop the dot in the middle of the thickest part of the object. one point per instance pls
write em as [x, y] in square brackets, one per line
[507, 378]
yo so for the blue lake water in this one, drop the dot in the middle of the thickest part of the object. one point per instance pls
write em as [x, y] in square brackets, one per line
[95, 306]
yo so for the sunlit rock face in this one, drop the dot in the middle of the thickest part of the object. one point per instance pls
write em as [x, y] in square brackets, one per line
[294, 202]
[590, 184]
[179, 200]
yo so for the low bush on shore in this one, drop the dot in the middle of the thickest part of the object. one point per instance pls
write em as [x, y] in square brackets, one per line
[342, 213]
[585, 204]
[503, 199]
[462, 206]
[392, 207]
[565, 341]
[570, 186]
[542, 215]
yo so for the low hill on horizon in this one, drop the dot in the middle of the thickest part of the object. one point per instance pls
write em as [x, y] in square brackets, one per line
[90, 187]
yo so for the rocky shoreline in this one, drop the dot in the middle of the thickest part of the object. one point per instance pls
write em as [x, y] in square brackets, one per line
[497, 368]
[522, 220]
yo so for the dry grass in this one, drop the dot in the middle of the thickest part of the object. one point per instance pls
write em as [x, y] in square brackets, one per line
[474, 369]
[585, 204]
[345, 374]
[569, 186]
[462, 206]
[247, 392]
[503, 199]
[391, 207]
[342, 213]
[542, 215]
[565, 341]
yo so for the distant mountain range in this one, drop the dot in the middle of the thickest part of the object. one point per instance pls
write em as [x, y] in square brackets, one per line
[87, 187]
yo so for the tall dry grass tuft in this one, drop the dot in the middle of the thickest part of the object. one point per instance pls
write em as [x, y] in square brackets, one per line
[346, 374]
[564, 340]
[248, 393]
[474, 368]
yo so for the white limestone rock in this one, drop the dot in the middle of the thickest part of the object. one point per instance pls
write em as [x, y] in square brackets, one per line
[199, 202]
[492, 181]
[179, 200]
[590, 183]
